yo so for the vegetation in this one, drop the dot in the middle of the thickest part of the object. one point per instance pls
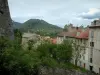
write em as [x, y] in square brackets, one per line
[15, 60]
[78, 52]
[65, 28]
[38, 26]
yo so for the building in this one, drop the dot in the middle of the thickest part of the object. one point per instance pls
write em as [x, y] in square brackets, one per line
[80, 38]
[88, 41]
[82, 42]
[94, 46]
[29, 36]
[69, 35]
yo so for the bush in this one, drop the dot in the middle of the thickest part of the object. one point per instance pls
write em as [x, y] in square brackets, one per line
[16, 61]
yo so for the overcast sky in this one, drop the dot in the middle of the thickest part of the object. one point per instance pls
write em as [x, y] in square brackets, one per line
[58, 12]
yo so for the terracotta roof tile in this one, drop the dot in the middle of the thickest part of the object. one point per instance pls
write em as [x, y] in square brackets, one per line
[83, 35]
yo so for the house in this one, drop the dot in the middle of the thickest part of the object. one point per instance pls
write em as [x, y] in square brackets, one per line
[82, 42]
[29, 36]
[88, 41]
[94, 46]
[54, 40]
[78, 36]
[69, 35]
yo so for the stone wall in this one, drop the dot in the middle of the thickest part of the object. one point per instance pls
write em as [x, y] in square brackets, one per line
[5, 20]
[57, 71]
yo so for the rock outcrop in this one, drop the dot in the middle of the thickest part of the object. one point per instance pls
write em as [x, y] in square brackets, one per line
[6, 28]
[58, 71]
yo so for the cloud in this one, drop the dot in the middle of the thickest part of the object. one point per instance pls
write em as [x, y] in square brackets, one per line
[93, 13]
[58, 12]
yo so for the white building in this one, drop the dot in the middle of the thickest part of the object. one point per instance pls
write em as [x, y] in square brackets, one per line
[80, 38]
[94, 46]
[82, 42]
[30, 36]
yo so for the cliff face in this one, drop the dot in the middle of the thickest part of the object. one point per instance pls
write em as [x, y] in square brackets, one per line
[5, 20]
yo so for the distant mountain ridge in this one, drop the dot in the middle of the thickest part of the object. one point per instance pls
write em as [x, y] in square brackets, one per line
[36, 25]
[16, 24]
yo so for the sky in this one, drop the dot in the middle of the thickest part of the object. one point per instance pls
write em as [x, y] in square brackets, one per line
[57, 12]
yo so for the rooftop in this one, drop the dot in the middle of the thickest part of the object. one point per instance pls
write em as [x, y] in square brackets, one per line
[78, 33]
[95, 24]
[83, 35]
[26, 35]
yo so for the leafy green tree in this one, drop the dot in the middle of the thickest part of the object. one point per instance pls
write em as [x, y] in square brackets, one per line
[78, 52]
[65, 28]
[18, 35]
[64, 52]
[30, 44]
[18, 61]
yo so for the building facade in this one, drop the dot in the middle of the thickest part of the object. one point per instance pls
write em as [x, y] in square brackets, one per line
[88, 41]
[80, 38]
[82, 43]
[94, 46]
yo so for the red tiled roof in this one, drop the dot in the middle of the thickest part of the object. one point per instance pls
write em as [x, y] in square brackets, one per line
[70, 34]
[54, 40]
[83, 35]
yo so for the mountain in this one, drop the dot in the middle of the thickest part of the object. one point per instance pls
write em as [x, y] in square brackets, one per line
[38, 26]
[16, 24]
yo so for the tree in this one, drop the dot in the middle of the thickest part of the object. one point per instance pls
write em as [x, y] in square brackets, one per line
[64, 52]
[65, 28]
[18, 35]
[30, 44]
[15, 60]
[78, 51]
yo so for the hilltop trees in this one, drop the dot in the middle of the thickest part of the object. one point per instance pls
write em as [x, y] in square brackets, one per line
[65, 28]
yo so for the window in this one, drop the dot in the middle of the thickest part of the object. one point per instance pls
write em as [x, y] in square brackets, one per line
[84, 65]
[1, 12]
[83, 57]
[80, 63]
[95, 22]
[92, 34]
[90, 60]
[92, 44]
[91, 68]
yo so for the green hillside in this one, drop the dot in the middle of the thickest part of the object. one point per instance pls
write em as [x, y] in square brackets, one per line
[36, 24]
[16, 25]
[39, 26]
